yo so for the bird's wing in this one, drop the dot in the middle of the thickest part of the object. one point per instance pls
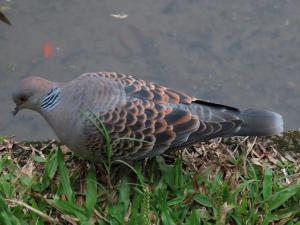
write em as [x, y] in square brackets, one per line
[142, 128]
[158, 118]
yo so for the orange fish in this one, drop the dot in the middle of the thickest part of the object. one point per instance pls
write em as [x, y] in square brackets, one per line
[47, 49]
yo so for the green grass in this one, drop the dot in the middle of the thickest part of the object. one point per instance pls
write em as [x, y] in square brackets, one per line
[236, 181]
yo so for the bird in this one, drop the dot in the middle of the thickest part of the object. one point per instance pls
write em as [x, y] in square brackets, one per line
[141, 118]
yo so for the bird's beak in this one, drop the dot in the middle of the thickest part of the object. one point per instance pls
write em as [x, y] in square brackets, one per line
[16, 110]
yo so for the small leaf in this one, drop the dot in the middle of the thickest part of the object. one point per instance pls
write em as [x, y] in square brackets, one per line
[26, 180]
[51, 165]
[37, 158]
[203, 200]
[6, 188]
[176, 201]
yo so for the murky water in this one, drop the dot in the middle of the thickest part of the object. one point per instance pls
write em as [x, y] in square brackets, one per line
[241, 53]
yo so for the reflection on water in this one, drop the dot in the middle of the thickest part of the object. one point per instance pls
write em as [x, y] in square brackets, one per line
[242, 53]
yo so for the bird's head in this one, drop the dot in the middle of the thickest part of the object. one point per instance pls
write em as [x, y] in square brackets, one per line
[28, 93]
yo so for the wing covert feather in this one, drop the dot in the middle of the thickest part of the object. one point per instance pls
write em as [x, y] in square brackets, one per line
[154, 127]
[161, 118]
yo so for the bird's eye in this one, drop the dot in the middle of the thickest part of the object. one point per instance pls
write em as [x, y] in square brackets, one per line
[23, 98]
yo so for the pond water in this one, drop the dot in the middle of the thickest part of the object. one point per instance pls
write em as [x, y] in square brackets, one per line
[240, 53]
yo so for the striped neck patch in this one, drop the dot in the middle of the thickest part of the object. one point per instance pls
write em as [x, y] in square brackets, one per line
[51, 99]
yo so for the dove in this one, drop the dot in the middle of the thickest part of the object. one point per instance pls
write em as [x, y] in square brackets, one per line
[142, 119]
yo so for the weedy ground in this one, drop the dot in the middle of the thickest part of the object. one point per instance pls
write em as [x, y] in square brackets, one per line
[223, 181]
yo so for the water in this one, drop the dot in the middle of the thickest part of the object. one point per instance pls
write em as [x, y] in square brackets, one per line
[241, 53]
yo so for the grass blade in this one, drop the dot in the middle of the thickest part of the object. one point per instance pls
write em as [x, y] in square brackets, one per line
[280, 197]
[91, 191]
[70, 208]
[137, 172]
[51, 165]
[267, 184]
[65, 178]
[6, 217]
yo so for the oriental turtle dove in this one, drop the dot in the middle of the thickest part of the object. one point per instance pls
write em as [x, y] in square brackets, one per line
[143, 119]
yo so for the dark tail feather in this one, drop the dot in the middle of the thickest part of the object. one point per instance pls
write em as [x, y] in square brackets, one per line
[259, 123]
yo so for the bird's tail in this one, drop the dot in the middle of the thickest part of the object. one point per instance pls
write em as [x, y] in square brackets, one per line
[259, 123]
